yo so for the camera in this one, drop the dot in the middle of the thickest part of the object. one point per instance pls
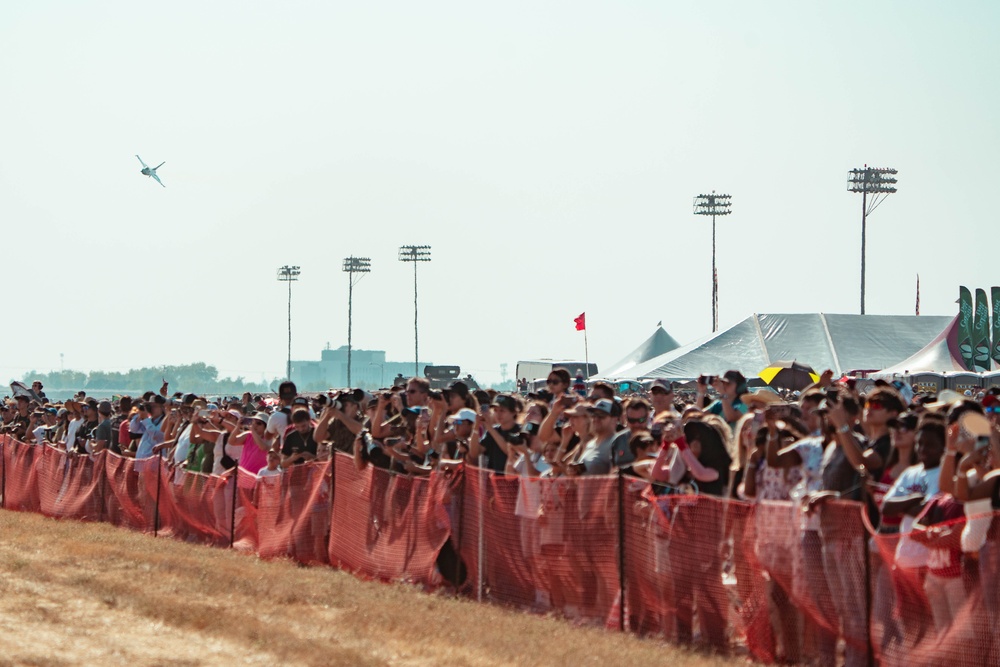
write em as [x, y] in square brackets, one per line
[708, 379]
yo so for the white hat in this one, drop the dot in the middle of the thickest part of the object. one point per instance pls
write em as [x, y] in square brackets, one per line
[464, 415]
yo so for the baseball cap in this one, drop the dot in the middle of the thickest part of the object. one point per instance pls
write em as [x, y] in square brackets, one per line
[606, 406]
[459, 387]
[505, 401]
[464, 415]
[661, 384]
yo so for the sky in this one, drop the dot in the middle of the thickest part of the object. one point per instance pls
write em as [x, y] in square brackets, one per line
[548, 152]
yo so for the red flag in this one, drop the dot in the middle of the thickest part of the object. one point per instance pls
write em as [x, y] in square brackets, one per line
[581, 322]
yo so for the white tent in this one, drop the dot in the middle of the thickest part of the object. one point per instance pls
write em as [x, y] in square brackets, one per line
[840, 342]
[658, 344]
[941, 355]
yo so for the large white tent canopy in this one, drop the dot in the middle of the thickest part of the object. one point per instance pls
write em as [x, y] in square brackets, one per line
[841, 342]
[656, 345]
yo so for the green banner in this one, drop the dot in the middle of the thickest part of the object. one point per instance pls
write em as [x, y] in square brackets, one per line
[981, 333]
[995, 293]
[965, 326]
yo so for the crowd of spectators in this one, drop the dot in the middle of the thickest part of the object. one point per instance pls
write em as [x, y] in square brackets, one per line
[923, 465]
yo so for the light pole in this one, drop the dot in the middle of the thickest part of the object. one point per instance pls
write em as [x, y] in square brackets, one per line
[415, 253]
[353, 265]
[382, 375]
[713, 205]
[289, 274]
[880, 182]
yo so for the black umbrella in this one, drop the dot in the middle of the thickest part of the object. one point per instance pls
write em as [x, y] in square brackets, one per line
[789, 375]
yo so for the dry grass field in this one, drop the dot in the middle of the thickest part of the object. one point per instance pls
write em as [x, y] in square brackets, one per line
[74, 593]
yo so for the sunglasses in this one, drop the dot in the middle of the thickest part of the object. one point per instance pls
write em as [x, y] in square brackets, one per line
[992, 410]
[636, 420]
[553, 381]
[412, 391]
[875, 405]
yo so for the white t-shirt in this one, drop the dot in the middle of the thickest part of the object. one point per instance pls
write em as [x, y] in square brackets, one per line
[183, 447]
[71, 430]
[232, 451]
[276, 425]
[264, 472]
[39, 434]
[529, 499]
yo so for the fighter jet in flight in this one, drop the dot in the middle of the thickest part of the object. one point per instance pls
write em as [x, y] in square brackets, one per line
[151, 171]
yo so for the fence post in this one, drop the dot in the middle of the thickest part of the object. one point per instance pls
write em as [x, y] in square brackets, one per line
[102, 473]
[460, 511]
[3, 472]
[232, 515]
[621, 551]
[334, 455]
[156, 508]
[480, 547]
[866, 556]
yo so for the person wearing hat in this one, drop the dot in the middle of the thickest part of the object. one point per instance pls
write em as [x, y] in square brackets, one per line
[730, 386]
[661, 395]
[277, 423]
[339, 421]
[101, 438]
[452, 436]
[18, 425]
[595, 456]
[74, 416]
[44, 426]
[252, 432]
[149, 428]
[502, 430]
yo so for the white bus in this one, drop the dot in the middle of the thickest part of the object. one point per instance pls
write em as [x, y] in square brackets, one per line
[535, 369]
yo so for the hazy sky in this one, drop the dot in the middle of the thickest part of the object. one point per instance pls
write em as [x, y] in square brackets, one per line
[547, 151]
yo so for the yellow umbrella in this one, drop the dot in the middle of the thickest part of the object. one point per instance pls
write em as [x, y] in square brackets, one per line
[789, 375]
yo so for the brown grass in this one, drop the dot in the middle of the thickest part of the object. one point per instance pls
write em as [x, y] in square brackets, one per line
[73, 593]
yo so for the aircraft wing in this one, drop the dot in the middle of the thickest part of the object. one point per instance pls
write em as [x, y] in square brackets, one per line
[157, 178]
[141, 162]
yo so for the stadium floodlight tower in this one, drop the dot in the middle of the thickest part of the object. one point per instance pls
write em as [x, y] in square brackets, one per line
[880, 183]
[415, 253]
[289, 274]
[352, 265]
[713, 205]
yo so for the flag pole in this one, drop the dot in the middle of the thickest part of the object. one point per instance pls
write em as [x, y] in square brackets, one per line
[586, 353]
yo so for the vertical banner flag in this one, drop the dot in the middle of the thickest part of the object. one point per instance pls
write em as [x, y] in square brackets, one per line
[995, 293]
[581, 322]
[965, 327]
[981, 333]
[918, 295]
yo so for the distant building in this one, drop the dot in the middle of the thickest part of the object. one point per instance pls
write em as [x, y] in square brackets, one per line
[369, 370]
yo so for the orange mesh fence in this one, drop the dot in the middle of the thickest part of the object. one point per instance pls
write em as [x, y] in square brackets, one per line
[293, 513]
[195, 507]
[543, 544]
[69, 485]
[782, 584]
[945, 612]
[130, 492]
[245, 535]
[388, 526]
[20, 491]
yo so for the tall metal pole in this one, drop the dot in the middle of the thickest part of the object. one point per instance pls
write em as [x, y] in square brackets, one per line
[289, 274]
[353, 265]
[713, 205]
[288, 364]
[416, 346]
[350, 307]
[415, 253]
[715, 284]
[864, 232]
[880, 182]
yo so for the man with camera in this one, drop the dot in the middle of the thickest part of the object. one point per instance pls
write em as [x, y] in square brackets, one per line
[730, 386]
[502, 430]
[340, 420]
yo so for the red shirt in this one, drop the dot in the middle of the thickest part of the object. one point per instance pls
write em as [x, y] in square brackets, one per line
[944, 509]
